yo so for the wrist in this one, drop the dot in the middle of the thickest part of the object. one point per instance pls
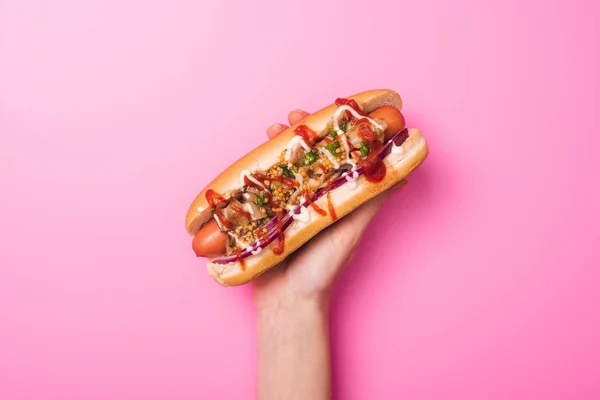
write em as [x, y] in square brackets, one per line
[293, 309]
[293, 348]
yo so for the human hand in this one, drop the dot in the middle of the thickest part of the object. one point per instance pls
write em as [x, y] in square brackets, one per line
[308, 275]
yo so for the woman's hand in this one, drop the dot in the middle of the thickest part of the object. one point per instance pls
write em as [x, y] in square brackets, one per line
[309, 273]
[292, 301]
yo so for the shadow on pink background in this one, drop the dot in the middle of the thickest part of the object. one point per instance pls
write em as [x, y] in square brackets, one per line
[478, 281]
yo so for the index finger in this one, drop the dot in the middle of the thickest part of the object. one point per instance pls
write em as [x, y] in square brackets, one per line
[296, 116]
[275, 130]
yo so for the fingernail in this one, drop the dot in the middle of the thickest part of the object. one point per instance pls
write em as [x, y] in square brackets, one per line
[298, 110]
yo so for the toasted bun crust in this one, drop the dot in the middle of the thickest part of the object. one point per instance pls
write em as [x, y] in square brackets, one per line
[344, 199]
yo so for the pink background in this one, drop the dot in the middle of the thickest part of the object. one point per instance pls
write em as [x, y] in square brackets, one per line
[479, 281]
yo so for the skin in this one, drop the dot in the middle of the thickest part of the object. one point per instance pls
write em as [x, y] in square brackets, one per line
[292, 304]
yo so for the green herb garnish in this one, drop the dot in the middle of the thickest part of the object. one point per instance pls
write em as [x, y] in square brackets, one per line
[344, 126]
[260, 200]
[310, 158]
[331, 147]
[333, 132]
[286, 171]
[364, 149]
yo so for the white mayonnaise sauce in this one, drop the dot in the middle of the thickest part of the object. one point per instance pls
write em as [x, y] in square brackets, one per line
[218, 222]
[330, 156]
[299, 179]
[298, 140]
[246, 174]
[340, 111]
[295, 141]
[253, 251]
[344, 141]
[351, 178]
[303, 216]
[249, 208]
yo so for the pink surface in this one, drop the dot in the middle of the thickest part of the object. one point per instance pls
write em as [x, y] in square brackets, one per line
[479, 281]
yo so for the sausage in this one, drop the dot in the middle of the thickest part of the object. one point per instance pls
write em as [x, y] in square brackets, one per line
[393, 118]
[209, 241]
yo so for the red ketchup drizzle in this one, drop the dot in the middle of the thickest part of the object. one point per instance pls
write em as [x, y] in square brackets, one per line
[240, 210]
[213, 198]
[330, 207]
[248, 182]
[315, 207]
[374, 167]
[364, 130]
[286, 181]
[260, 233]
[307, 134]
[281, 243]
[240, 259]
[224, 221]
[378, 174]
[349, 103]
[318, 209]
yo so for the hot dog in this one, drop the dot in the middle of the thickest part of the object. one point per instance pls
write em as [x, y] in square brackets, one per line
[211, 242]
[274, 199]
[393, 119]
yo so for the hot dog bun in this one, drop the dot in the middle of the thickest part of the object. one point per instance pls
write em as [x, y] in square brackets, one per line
[344, 198]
